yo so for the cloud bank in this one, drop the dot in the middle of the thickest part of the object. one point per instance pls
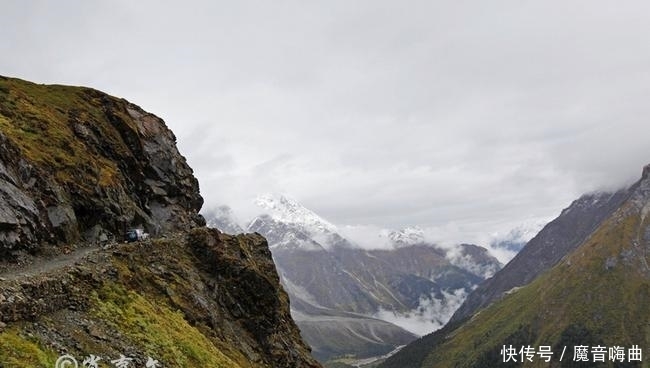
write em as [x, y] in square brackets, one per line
[448, 115]
[429, 316]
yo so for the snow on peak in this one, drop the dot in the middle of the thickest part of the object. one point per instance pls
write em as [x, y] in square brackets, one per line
[408, 236]
[521, 233]
[288, 210]
[506, 245]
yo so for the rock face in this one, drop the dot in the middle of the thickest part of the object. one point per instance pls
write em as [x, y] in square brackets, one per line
[203, 299]
[77, 164]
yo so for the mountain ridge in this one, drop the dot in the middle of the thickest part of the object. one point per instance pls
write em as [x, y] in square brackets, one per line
[556, 239]
[595, 295]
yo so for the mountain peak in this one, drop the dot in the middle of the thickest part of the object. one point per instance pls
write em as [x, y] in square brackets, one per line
[285, 209]
[410, 235]
[646, 172]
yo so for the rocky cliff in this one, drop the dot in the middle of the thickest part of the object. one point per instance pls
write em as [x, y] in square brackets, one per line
[78, 166]
[203, 299]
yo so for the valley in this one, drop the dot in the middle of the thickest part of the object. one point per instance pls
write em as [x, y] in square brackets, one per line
[362, 303]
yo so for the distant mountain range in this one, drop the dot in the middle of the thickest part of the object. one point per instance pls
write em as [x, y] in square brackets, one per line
[543, 251]
[584, 280]
[350, 301]
[515, 239]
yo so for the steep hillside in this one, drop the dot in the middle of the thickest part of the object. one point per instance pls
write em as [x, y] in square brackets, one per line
[596, 295]
[77, 164]
[77, 167]
[543, 251]
[205, 299]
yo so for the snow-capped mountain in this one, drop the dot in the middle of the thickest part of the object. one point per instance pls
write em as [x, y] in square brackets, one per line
[293, 216]
[469, 257]
[404, 237]
[515, 239]
[474, 259]
[335, 273]
[327, 275]
[287, 210]
[289, 236]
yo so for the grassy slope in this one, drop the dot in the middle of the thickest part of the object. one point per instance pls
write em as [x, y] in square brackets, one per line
[608, 306]
[165, 333]
[19, 350]
[39, 120]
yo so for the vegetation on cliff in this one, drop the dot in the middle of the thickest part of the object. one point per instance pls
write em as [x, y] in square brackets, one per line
[202, 299]
[79, 165]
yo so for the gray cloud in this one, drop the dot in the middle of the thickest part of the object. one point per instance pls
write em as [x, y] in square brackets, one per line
[381, 113]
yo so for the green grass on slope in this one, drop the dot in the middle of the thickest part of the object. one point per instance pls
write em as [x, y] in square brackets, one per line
[164, 333]
[17, 351]
[40, 120]
[161, 332]
[580, 301]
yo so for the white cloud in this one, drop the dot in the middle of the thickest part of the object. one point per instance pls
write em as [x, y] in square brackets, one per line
[366, 236]
[430, 315]
[450, 235]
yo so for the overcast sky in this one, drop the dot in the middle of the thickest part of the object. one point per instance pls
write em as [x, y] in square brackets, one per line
[465, 115]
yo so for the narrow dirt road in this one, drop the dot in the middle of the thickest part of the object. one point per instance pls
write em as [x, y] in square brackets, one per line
[41, 266]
